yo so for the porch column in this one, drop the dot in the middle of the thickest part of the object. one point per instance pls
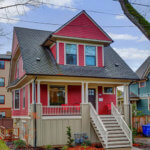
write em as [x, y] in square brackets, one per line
[126, 105]
[86, 93]
[33, 92]
[83, 99]
[38, 92]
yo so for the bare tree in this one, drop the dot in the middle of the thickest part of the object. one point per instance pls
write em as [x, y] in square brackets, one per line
[135, 17]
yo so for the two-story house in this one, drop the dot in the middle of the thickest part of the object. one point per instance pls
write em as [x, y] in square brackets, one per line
[5, 97]
[141, 88]
[69, 77]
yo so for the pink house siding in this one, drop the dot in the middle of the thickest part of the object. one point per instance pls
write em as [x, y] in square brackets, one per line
[82, 27]
[104, 107]
[21, 70]
[81, 55]
[53, 50]
[61, 53]
[74, 95]
[21, 111]
[43, 95]
[100, 56]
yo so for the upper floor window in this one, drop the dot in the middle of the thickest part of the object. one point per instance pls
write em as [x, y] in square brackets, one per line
[142, 84]
[71, 54]
[2, 99]
[2, 64]
[17, 99]
[2, 82]
[90, 55]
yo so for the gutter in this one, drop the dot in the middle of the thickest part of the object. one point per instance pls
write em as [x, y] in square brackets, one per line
[34, 111]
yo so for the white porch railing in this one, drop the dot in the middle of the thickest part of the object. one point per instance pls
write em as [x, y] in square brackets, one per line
[61, 110]
[121, 122]
[99, 124]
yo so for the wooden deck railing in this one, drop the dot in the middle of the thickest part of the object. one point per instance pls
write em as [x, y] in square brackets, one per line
[9, 134]
[61, 110]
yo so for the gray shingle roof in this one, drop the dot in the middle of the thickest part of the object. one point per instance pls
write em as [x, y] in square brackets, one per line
[143, 68]
[4, 56]
[30, 44]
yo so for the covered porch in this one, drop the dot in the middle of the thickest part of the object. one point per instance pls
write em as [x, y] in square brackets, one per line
[64, 97]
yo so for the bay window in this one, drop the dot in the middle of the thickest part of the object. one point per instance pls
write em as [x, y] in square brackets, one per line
[57, 95]
[71, 54]
[90, 55]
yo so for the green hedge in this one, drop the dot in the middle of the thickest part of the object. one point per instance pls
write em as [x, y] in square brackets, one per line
[3, 146]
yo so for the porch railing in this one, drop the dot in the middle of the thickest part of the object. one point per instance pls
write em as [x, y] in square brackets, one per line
[121, 122]
[61, 110]
[99, 124]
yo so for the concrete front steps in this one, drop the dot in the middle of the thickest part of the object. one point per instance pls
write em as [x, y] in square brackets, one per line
[116, 137]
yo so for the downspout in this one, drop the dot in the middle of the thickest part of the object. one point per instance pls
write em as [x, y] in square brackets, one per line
[34, 112]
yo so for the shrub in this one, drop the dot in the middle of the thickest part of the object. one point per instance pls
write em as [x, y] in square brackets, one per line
[48, 147]
[69, 137]
[64, 148]
[19, 144]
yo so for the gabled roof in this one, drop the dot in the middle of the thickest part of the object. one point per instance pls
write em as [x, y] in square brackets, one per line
[83, 26]
[5, 57]
[30, 45]
[144, 69]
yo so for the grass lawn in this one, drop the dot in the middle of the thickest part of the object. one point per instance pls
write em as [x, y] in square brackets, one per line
[3, 146]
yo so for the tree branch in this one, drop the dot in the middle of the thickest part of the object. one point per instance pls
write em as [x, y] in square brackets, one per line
[136, 17]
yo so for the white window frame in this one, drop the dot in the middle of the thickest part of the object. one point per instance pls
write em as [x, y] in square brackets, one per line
[78, 43]
[109, 93]
[65, 43]
[14, 99]
[66, 93]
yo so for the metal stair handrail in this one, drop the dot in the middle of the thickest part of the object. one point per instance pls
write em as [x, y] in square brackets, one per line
[121, 122]
[99, 124]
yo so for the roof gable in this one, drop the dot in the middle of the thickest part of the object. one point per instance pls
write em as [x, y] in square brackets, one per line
[144, 69]
[83, 26]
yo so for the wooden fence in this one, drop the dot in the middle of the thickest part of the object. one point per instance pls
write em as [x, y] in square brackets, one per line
[6, 122]
[137, 122]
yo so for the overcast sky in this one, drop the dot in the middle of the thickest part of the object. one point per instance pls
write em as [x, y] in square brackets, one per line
[129, 42]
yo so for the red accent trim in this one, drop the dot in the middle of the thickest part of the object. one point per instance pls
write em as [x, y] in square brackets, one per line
[4, 99]
[4, 81]
[100, 56]
[81, 55]
[61, 53]
[53, 49]
[5, 108]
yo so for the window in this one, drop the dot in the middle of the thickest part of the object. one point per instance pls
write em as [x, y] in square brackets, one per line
[2, 114]
[17, 99]
[2, 64]
[57, 95]
[108, 90]
[2, 82]
[90, 55]
[142, 84]
[2, 99]
[71, 54]
[23, 97]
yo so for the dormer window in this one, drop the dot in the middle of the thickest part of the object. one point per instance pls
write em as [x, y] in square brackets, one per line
[71, 54]
[90, 55]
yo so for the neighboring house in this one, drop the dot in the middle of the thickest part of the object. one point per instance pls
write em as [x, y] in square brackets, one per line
[141, 88]
[5, 97]
[54, 76]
